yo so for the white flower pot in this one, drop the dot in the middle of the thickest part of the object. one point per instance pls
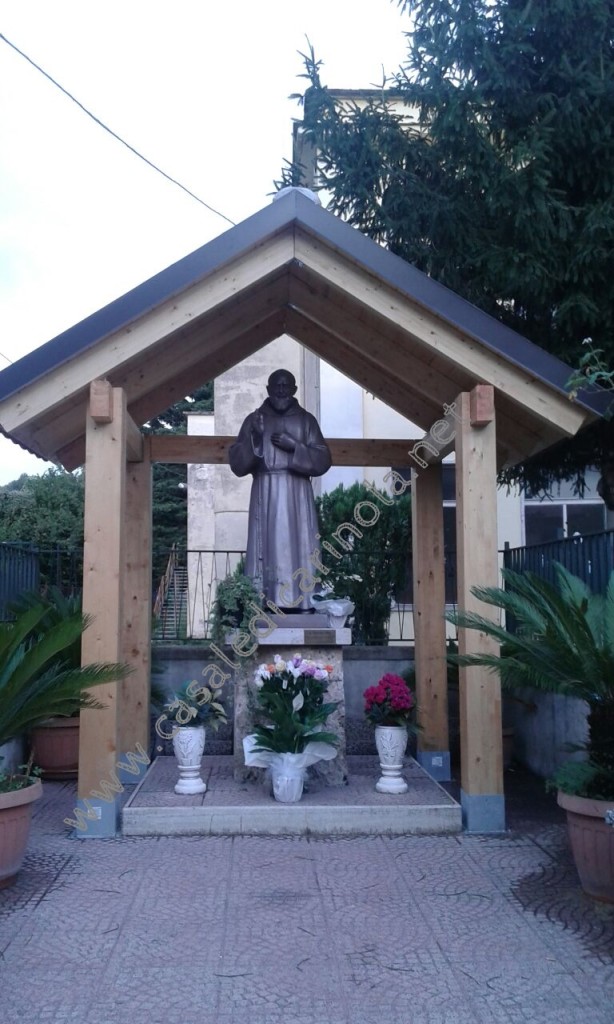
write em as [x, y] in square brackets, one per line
[189, 744]
[288, 777]
[391, 741]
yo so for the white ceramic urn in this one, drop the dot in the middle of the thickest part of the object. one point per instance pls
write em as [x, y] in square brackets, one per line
[189, 744]
[391, 741]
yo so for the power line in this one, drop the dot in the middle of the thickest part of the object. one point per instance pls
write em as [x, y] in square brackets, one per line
[114, 134]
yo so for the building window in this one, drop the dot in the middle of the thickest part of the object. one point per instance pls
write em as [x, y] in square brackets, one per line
[561, 513]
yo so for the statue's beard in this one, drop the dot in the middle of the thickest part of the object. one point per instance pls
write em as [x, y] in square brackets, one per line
[281, 404]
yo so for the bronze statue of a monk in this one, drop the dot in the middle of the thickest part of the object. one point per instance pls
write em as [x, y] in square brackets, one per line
[281, 444]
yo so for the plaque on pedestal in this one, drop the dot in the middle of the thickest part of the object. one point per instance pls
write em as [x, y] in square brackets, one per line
[306, 630]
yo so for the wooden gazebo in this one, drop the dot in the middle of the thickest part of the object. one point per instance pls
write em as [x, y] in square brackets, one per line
[471, 384]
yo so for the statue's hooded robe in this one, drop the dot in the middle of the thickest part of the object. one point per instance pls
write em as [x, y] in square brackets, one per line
[282, 525]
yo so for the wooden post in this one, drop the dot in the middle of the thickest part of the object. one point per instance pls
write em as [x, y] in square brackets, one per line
[476, 542]
[136, 633]
[103, 589]
[429, 622]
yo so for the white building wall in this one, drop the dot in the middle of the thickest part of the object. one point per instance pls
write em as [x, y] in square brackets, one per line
[341, 415]
[201, 530]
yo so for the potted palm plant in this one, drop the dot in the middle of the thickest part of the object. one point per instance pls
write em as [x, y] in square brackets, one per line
[561, 640]
[55, 740]
[37, 680]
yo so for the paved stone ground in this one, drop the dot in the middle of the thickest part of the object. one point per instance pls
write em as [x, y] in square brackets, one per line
[251, 930]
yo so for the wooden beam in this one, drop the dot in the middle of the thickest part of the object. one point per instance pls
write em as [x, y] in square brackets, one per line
[361, 368]
[72, 454]
[134, 441]
[136, 628]
[173, 363]
[204, 338]
[350, 451]
[401, 369]
[135, 339]
[103, 591]
[216, 356]
[346, 451]
[477, 564]
[429, 623]
[386, 345]
[438, 441]
[184, 448]
[461, 350]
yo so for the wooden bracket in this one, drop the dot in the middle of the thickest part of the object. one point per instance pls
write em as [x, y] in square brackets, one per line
[101, 401]
[481, 405]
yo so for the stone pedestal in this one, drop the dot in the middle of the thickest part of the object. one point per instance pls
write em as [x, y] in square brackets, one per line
[334, 772]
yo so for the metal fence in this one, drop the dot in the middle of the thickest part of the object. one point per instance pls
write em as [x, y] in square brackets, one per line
[26, 567]
[19, 571]
[590, 557]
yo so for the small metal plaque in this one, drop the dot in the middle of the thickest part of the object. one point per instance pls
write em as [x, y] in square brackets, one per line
[325, 637]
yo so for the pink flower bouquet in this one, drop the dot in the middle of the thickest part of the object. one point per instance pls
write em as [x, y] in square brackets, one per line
[391, 702]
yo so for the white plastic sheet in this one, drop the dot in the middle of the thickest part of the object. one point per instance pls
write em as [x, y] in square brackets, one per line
[287, 762]
[334, 606]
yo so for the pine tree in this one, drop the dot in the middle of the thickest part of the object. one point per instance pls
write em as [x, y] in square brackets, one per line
[489, 164]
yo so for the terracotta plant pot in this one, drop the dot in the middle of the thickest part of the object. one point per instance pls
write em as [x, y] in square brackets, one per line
[55, 743]
[592, 844]
[15, 815]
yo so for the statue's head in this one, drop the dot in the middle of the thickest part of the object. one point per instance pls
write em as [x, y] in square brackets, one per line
[281, 389]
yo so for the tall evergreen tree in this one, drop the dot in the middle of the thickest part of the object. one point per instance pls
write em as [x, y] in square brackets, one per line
[488, 162]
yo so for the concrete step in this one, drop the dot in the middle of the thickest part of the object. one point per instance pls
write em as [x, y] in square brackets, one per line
[232, 808]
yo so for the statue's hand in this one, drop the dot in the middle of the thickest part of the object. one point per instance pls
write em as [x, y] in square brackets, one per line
[258, 427]
[284, 441]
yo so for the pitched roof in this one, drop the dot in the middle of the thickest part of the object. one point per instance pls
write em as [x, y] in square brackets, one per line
[292, 268]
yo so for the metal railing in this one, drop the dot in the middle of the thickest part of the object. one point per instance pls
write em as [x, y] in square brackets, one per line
[590, 557]
[183, 604]
[186, 594]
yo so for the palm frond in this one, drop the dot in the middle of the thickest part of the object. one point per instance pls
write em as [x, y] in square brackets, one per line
[560, 640]
[38, 674]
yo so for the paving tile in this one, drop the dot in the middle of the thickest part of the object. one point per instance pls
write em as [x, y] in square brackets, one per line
[303, 930]
[48, 994]
[133, 990]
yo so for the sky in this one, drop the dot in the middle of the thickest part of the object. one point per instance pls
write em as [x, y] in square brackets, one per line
[200, 88]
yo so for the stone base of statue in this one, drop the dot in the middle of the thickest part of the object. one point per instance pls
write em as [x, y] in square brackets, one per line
[334, 772]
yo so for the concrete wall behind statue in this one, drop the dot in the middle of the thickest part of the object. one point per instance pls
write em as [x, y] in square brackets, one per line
[362, 667]
[543, 724]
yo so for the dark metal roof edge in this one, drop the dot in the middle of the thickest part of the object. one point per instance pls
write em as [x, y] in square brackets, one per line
[455, 310]
[297, 208]
[148, 295]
